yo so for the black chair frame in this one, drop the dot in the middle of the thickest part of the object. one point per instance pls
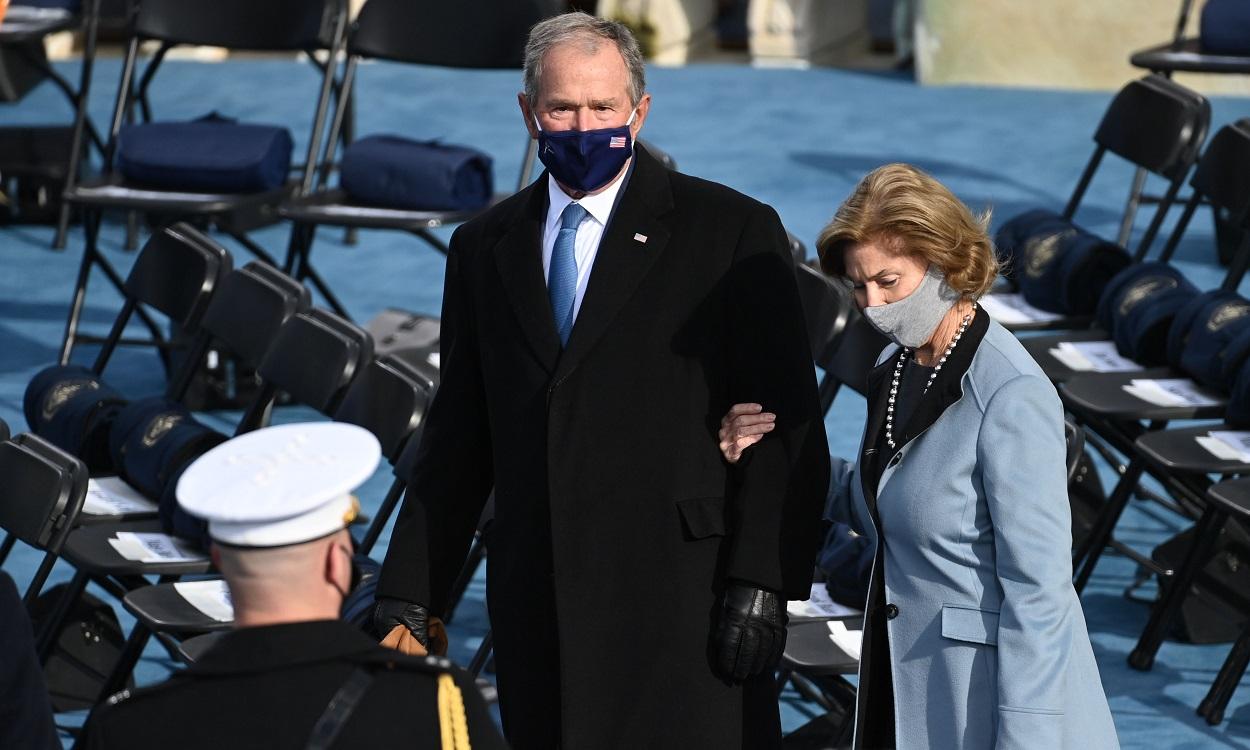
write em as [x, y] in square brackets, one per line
[419, 33]
[235, 24]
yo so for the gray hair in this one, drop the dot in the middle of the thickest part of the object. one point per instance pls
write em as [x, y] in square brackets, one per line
[589, 31]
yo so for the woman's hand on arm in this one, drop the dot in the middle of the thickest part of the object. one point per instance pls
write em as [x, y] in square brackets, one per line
[743, 426]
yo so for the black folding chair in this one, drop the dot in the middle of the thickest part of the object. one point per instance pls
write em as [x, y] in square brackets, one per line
[388, 398]
[418, 32]
[176, 274]
[313, 359]
[817, 668]
[41, 495]
[278, 25]
[1184, 53]
[1100, 401]
[1215, 181]
[23, 32]
[844, 344]
[1225, 500]
[1158, 126]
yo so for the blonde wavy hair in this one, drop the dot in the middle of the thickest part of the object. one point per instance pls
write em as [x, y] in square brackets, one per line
[907, 211]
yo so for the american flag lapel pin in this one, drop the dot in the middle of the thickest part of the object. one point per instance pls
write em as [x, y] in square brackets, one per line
[640, 238]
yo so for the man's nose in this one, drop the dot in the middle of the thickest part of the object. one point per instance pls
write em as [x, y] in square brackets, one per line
[584, 119]
[872, 295]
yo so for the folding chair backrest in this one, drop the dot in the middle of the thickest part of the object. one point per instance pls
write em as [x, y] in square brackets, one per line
[269, 25]
[42, 491]
[251, 306]
[1074, 436]
[388, 398]
[177, 273]
[459, 35]
[660, 154]
[315, 357]
[1156, 124]
[1223, 173]
[856, 353]
[1222, 178]
[827, 308]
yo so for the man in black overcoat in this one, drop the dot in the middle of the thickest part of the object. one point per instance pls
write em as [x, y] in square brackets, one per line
[596, 326]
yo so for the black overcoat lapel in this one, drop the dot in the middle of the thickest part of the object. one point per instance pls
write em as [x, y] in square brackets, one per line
[633, 240]
[519, 257]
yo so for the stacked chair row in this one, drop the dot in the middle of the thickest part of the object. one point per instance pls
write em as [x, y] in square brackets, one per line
[1150, 329]
[308, 355]
[239, 175]
[1055, 269]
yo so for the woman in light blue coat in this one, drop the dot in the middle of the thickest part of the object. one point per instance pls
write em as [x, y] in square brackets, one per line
[973, 635]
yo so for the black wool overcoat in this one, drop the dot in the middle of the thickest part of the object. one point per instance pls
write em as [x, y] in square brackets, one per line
[617, 523]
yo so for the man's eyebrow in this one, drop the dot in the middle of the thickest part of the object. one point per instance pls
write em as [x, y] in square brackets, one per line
[603, 102]
[554, 102]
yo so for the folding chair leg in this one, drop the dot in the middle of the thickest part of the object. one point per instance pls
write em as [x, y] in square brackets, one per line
[48, 629]
[6, 547]
[483, 653]
[1225, 684]
[304, 270]
[1130, 210]
[254, 248]
[381, 517]
[433, 240]
[91, 224]
[62, 227]
[1164, 612]
[474, 559]
[132, 230]
[1088, 554]
[126, 662]
[829, 387]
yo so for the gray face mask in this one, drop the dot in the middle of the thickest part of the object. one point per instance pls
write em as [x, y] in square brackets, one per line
[911, 321]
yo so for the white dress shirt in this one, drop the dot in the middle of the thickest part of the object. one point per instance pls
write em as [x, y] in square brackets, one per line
[589, 232]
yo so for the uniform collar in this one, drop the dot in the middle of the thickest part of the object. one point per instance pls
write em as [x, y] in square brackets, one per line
[259, 649]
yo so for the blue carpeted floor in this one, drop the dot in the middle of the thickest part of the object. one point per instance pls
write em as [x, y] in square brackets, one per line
[796, 139]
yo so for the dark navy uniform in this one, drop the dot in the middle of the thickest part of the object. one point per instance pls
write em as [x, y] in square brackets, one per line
[25, 711]
[266, 687]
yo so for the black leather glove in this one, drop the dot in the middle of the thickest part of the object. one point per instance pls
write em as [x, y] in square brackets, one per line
[387, 613]
[751, 632]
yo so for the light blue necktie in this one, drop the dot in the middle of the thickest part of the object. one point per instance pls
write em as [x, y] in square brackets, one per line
[562, 278]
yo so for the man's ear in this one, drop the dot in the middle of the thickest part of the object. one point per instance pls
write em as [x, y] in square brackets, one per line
[337, 566]
[644, 106]
[528, 114]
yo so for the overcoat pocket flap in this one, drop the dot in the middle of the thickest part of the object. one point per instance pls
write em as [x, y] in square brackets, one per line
[703, 516]
[970, 624]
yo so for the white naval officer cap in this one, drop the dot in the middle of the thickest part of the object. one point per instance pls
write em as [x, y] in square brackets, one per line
[280, 485]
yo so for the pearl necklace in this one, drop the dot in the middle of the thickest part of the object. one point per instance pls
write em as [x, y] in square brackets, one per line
[898, 372]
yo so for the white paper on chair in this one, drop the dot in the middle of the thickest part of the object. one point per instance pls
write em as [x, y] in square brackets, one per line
[1233, 444]
[434, 359]
[155, 548]
[1093, 356]
[110, 496]
[210, 597]
[820, 605]
[1172, 392]
[850, 641]
[1011, 308]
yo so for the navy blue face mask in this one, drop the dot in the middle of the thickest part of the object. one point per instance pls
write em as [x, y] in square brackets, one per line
[585, 160]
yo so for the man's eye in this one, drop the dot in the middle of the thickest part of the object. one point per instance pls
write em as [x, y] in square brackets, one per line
[886, 284]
